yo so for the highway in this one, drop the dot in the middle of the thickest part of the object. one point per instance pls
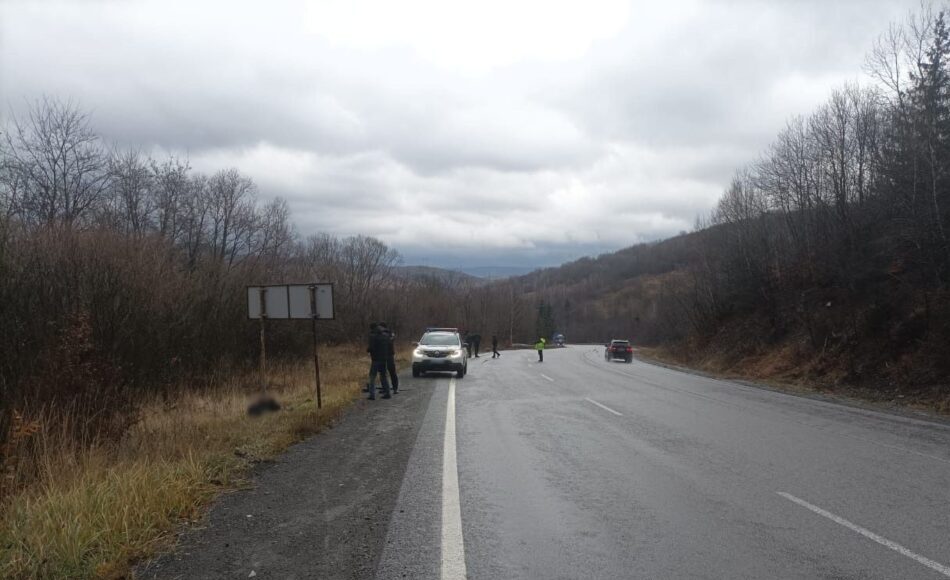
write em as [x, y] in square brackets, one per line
[579, 468]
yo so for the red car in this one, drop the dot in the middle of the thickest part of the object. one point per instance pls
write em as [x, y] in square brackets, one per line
[619, 349]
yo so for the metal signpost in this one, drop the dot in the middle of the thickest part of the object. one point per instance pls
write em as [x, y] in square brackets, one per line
[291, 301]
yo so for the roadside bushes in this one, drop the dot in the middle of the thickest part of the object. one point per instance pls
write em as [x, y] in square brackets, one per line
[122, 275]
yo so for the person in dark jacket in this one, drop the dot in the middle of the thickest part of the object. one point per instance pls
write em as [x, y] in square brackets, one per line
[467, 342]
[476, 340]
[391, 356]
[378, 349]
[494, 346]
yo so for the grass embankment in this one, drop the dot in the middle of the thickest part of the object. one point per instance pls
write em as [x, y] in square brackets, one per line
[784, 368]
[91, 511]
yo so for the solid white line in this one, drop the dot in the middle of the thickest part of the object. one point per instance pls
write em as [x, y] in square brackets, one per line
[898, 448]
[604, 407]
[547, 377]
[937, 566]
[453, 547]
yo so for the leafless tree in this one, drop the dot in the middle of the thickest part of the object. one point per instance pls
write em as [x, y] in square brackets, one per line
[171, 188]
[60, 163]
[128, 203]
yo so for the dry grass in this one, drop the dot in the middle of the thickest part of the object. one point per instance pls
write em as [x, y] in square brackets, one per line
[91, 511]
[785, 368]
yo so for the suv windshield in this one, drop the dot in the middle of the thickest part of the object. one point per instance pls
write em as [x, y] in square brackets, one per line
[440, 340]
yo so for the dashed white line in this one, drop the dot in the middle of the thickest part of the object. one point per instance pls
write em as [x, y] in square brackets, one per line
[604, 407]
[547, 377]
[453, 547]
[936, 566]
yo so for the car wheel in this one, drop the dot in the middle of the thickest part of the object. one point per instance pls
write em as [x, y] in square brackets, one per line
[460, 373]
[415, 372]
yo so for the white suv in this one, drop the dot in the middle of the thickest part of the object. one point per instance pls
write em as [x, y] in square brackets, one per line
[440, 350]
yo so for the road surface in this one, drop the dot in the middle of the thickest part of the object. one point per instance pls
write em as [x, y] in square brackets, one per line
[579, 468]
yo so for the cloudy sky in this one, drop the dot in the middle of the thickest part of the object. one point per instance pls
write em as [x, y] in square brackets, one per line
[497, 132]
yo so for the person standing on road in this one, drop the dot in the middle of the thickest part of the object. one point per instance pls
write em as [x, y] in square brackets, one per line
[378, 349]
[373, 326]
[494, 346]
[391, 356]
[540, 348]
[467, 342]
[476, 340]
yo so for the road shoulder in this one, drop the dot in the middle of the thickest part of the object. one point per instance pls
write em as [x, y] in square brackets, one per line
[802, 391]
[320, 511]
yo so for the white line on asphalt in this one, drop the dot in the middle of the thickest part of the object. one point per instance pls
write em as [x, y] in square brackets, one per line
[547, 377]
[453, 547]
[898, 448]
[937, 566]
[604, 407]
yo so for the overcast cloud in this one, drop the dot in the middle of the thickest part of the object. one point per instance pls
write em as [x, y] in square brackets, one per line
[480, 133]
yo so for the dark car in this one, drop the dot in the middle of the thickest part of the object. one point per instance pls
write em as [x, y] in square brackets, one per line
[619, 349]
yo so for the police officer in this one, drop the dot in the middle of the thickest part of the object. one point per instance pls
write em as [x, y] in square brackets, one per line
[390, 355]
[378, 349]
[467, 342]
[476, 342]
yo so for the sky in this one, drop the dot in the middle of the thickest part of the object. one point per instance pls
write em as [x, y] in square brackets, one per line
[489, 133]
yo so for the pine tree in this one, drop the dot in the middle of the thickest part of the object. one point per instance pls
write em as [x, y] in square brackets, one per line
[544, 325]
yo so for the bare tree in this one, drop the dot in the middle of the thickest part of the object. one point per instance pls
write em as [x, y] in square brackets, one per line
[230, 197]
[129, 205]
[170, 189]
[60, 162]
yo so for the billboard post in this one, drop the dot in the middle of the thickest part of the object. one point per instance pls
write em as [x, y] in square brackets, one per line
[291, 301]
[316, 359]
[263, 307]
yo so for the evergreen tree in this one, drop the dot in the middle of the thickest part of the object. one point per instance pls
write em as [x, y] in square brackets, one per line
[544, 325]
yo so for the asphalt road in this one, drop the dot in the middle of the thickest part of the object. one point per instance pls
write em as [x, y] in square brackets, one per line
[579, 468]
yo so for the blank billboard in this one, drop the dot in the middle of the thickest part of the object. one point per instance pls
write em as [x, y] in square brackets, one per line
[290, 301]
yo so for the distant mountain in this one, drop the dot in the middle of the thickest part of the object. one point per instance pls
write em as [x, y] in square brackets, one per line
[480, 274]
[496, 272]
[440, 273]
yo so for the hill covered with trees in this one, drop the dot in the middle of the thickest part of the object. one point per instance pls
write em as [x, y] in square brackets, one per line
[827, 257]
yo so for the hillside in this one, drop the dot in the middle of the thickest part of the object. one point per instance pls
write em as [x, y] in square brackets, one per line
[882, 330]
[826, 259]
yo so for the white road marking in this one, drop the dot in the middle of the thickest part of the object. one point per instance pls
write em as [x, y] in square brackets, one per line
[604, 407]
[937, 566]
[897, 448]
[547, 377]
[453, 547]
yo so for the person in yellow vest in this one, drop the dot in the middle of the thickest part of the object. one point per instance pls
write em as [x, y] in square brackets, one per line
[539, 346]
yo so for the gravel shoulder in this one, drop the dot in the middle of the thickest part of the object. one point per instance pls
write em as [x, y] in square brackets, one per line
[320, 511]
